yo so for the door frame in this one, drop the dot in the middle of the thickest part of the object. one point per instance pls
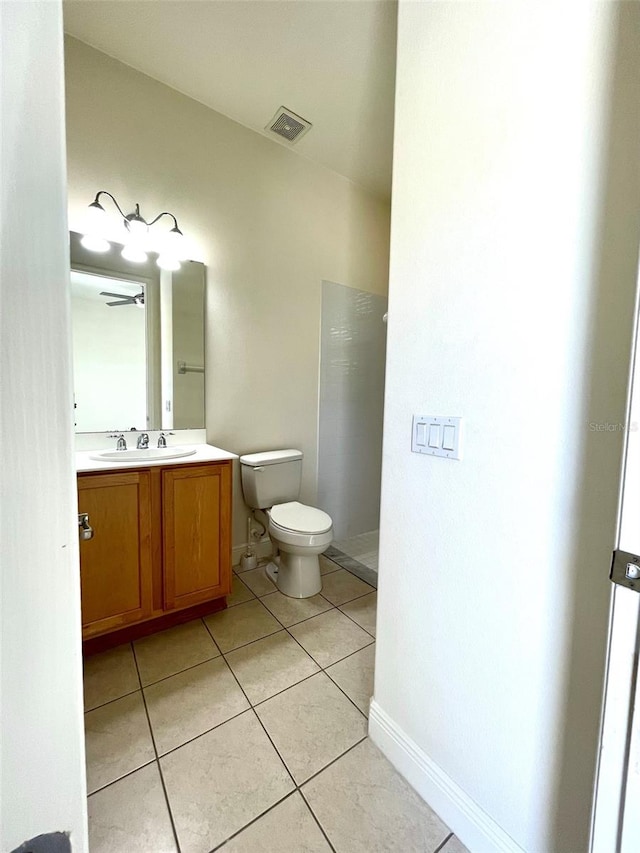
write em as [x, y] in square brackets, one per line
[615, 825]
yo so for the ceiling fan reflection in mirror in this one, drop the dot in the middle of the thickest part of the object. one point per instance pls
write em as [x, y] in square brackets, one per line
[124, 299]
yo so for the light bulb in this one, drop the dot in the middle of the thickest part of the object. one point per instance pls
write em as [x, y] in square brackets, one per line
[134, 253]
[95, 244]
[95, 217]
[175, 244]
[168, 262]
[138, 228]
[93, 230]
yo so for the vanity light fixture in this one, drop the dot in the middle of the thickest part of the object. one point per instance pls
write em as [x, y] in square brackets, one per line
[137, 233]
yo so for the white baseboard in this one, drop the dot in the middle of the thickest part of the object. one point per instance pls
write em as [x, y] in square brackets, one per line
[473, 826]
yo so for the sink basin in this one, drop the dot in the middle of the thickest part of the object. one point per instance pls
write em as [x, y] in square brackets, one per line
[144, 454]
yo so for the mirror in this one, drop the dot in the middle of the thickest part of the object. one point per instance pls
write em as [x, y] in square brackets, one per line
[138, 342]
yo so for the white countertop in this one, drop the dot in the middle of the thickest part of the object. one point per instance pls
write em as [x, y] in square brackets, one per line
[204, 453]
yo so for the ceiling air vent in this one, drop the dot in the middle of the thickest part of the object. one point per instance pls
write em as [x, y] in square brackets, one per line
[288, 125]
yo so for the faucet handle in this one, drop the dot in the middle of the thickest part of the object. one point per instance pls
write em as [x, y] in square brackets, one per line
[162, 440]
[121, 444]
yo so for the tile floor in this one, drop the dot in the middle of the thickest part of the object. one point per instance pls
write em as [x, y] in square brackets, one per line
[363, 548]
[247, 731]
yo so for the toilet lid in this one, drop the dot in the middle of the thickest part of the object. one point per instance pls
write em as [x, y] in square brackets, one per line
[298, 517]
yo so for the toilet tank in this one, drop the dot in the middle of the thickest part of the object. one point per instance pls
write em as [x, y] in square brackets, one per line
[271, 478]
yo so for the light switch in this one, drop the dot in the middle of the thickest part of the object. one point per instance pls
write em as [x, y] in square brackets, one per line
[437, 436]
[448, 437]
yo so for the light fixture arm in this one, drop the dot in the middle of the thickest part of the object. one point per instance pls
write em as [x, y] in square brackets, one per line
[136, 214]
[166, 213]
[96, 201]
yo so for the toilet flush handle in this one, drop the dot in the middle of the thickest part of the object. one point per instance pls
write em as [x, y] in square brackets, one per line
[259, 468]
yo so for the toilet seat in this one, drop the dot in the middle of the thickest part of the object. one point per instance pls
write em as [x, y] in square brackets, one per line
[295, 517]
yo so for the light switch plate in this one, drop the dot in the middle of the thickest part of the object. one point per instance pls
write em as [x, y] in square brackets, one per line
[437, 436]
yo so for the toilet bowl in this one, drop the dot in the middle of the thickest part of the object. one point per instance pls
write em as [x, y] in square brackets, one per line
[271, 484]
[300, 533]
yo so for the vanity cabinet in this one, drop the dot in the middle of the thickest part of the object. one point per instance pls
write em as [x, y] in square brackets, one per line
[161, 550]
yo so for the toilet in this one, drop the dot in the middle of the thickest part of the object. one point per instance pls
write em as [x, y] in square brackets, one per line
[271, 484]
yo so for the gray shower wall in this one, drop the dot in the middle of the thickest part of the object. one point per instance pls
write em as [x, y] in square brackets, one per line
[352, 364]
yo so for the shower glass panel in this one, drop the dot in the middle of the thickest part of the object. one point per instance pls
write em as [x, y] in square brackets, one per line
[352, 363]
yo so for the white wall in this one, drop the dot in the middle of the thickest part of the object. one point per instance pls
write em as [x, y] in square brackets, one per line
[42, 753]
[515, 230]
[269, 224]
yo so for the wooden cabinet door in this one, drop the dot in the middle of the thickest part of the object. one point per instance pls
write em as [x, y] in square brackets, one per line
[196, 503]
[115, 566]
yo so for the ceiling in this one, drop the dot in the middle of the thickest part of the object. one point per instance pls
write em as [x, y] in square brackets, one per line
[330, 61]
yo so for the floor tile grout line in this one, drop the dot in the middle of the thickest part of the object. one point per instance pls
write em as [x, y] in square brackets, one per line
[334, 661]
[244, 645]
[202, 734]
[302, 647]
[235, 604]
[307, 677]
[262, 724]
[354, 621]
[224, 655]
[124, 776]
[180, 671]
[252, 706]
[356, 597]
[254, 820]
[344, 692]
[350, 655]
[333, 761]
[159, 757]
[155, 749]
[333, 605]
[315, 817]
[307, 618]
[302, 620]
[266, 595]
[285, 765]
[443, 844]
[364, 568]
[282, 628]
[273, 616]
[111, 701]
[298, 788]
[321, 668]
[284, 689]
[271, 634]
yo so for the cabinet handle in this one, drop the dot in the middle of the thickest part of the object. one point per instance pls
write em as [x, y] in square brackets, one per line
[86, 530]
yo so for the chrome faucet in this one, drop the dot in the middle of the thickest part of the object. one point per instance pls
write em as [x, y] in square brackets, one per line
[162, 440]
[121, 444]
[143, 441]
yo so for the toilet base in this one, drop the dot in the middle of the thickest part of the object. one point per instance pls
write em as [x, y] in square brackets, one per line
[296, 576]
